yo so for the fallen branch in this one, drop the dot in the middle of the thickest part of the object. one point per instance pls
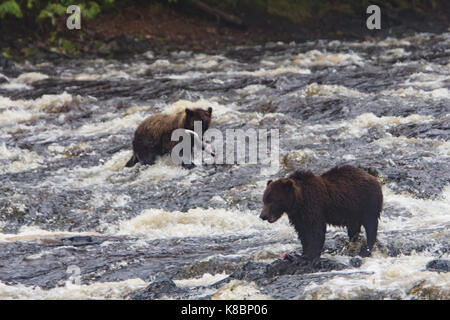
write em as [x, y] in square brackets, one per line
[217, 13]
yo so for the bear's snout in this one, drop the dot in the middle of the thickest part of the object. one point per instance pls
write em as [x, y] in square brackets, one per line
[265, 215]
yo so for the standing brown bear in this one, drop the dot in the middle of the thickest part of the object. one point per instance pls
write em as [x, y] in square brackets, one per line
[344, 196]
[153, 135]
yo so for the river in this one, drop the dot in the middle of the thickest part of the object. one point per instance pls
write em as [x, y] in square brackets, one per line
[76, 224]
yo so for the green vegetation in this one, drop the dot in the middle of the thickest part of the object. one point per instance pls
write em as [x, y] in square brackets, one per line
[42, 16]
[28, 26]
[294, 10]
[50, 10]
[303, 10]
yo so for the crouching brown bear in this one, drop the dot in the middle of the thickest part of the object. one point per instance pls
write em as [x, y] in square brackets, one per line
[344, 196]
[153, 136]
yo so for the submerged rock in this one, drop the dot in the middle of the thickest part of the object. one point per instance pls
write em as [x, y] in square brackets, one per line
[3, 78]
[157, 289]
[290, 265]
[438, 265]
[356, 262]
[296, 264]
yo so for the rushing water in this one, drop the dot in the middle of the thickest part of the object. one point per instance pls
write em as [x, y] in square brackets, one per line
[67, 202]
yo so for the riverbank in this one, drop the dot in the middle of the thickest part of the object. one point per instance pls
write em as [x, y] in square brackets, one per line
[160, 27]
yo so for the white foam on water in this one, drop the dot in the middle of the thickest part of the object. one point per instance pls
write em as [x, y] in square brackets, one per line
[355, 128]
[28, 233]
[59, 151]
[96, 175]
[318, 58]
[189, 75]
[409, 145]
[117, 123]
[205, 280]
[114, 168]
[99, 290]
[160, 63]
[158, 223]
[369, 120]
[402, 277]
[18, 111]
[22, 159]
[422, 213]
[6, 102]
[14, 112]
[301, 156]
[443, 148]
[11, 117]
[52, 102]
[205, 61]
[251, 89]
[262, 72]
[315, 89]
[31, 77]
[268, 253]
[426, 80]
[111, 75]
[359, 126]
[23, 81]
[163, 169]
[409, 92]
[15, 86]
[387, 42]
[240, 290]
[197, 61]
[395, 53]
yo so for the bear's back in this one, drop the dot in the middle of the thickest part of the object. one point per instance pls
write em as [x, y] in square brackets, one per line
[350, 189]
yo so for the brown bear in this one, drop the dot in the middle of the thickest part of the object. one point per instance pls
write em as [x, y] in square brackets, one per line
[153, 135]
[343, 196]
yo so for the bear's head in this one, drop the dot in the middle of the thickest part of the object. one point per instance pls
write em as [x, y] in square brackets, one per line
[198, 114]
[279, 197]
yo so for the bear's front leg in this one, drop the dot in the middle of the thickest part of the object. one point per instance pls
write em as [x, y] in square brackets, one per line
[189, 164]
[147, 158]
[312, 237]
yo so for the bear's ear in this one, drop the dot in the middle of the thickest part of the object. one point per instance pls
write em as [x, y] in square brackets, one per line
[288, 184]
[210, 110]
[189, 112]
[268, 182]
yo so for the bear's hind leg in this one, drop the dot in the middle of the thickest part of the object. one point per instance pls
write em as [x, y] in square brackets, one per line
[353, 232]
[132, 161]
[371, 228]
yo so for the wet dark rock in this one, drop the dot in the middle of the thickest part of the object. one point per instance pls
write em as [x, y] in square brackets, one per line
[356, 262]
[79, 240]
[157, 289]
[438, 129]
[3, 78]
[250, 271]
[296, 264]
[293, 264]
[439, 265]
[7, 64]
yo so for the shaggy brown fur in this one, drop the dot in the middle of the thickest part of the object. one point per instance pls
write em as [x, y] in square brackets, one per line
[153, 135]
[345, 196]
